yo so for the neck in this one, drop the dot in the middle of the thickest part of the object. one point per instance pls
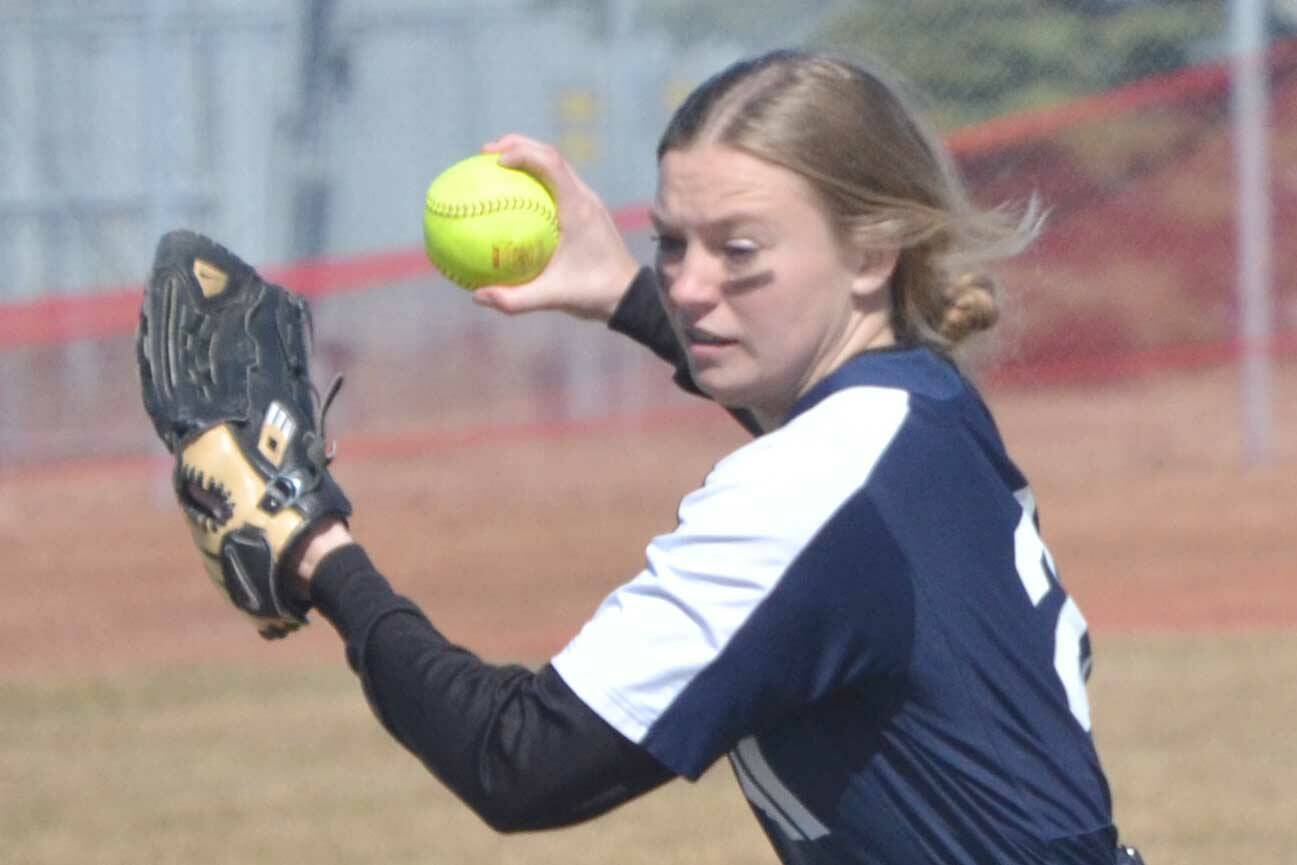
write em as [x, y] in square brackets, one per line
[870, 332]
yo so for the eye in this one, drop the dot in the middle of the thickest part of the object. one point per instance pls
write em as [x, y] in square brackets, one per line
[669, 246]
[740, 250]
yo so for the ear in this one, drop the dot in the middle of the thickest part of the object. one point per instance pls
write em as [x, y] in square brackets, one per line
[872, 269]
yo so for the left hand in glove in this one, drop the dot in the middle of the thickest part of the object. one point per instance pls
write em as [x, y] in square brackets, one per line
[224, 369]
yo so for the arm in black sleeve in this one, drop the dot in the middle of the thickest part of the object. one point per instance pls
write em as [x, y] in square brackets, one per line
[519, 748]
[640, 315]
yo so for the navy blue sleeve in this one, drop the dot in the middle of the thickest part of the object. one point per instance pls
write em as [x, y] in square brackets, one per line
[518, 747]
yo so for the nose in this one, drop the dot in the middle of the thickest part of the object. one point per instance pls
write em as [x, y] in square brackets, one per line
[691, 283]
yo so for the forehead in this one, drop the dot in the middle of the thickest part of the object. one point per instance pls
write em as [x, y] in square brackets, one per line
[712, 183]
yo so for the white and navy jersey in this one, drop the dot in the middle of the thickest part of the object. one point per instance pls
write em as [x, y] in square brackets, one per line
[858, 609]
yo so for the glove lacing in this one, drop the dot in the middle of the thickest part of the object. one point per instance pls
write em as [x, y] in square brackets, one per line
[316, 449]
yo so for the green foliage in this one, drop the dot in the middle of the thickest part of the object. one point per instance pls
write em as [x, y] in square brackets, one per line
[971, 59]
[994, 56]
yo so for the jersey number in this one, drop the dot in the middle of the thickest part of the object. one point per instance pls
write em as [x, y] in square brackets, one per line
[1037, 572]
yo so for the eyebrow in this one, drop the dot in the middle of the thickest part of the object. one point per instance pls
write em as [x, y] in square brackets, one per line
[730, 220]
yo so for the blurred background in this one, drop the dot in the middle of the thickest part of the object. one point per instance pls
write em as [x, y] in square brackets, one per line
[1161, 134]
[507, 472]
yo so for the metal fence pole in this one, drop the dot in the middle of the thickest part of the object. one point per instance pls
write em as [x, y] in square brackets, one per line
[1250, 107]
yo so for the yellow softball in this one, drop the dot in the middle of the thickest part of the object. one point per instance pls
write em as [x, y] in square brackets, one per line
[485, 224]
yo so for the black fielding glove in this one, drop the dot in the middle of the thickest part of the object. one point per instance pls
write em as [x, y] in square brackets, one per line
[223, 359]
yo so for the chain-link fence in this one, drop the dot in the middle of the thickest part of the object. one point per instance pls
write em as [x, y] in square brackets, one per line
[309, 130]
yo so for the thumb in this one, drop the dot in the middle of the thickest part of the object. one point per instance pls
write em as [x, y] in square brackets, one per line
[509, 299]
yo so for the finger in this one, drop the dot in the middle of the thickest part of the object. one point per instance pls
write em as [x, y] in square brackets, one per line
[509, 299]
[539, 159]
[508, 141]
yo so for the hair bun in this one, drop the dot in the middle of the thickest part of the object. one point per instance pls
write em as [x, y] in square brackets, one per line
[971, 306]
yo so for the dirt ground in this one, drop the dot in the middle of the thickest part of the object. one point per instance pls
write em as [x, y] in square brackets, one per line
[510, 537]
[114, 647]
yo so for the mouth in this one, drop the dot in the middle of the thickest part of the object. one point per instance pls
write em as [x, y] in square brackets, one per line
[697, 337]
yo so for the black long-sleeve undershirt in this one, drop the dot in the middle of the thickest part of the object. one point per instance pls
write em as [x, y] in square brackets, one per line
[640, 316]
[517, 746]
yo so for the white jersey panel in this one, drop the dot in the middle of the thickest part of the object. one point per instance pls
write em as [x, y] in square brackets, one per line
[737, 535]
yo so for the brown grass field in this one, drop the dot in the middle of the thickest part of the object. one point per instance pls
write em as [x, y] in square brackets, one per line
[142, 722]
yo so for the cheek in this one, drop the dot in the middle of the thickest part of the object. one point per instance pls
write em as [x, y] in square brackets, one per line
[801, 311]
[665, 281]
[664, 298]
[664, 287]
[774, 320]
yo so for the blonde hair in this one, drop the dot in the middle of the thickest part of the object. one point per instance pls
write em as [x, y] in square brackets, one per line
[881, 172]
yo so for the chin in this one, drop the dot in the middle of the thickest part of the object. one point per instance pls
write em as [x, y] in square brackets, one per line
[723, 391]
